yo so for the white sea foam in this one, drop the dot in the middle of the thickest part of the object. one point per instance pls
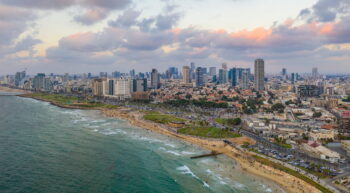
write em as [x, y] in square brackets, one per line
[187, 153]
[170, 145]
[216, 176]
[186, 170]
[112, 131]
[98, 121]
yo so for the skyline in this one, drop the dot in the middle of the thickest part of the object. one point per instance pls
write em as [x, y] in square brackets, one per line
[93, 36]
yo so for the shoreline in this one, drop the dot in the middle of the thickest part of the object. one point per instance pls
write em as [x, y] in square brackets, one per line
[13, 90]
[284, 181]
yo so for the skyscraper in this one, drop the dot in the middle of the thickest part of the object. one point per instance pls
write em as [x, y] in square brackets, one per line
[245, 79]
[199, 77]
[292, 78]
[192, 70]
[19, 77]
[284, 71]
[314, 73]
[212, 71]
[155, 79]
[39, 81]
[222, 76]
[233, 74]
[111, 84]
[259, 74]
[139, 85]
[186, 76]
[132, 73]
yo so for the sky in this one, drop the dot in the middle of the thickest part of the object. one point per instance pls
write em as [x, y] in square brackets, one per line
[80, 36]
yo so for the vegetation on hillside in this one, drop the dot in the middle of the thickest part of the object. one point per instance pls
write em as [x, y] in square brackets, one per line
[210, 132]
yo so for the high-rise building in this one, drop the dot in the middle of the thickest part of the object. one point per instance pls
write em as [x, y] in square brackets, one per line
[155, 79]
[19, 77]
[192, 70]
[222, 76]
[245, 79]
[259, 74]
[233, 74]
[284, 71]
[199, 77]
[103, 74]
[139, 85]
[204, 70]
[132, 73]
[99, 86]
[186, 76]
[292, 78]
[123, 88]
[116, 74]
[212, 71]
[314, 73]
[111, 85]
[173, 72]
[39, 81]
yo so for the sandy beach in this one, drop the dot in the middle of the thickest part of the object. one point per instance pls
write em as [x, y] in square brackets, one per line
[12, 90]
[246, 162]
[287, 182]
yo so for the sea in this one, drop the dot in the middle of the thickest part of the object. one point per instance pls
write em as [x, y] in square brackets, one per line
[47, 149]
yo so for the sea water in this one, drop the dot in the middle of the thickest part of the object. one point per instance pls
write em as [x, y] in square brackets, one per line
[47, 149]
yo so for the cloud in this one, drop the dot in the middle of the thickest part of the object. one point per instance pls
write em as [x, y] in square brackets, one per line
[62, 4]
[91, 16]
[326, 10]
[13, 22]
[127, 19]
[96, 10]
[27, 44]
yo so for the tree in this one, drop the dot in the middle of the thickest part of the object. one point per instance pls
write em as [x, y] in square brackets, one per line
[317, 115]
[188, 96]
[278, 107]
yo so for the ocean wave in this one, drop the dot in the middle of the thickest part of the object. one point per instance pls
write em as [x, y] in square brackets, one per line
[112, 132]
[170, 145]
[187, 171]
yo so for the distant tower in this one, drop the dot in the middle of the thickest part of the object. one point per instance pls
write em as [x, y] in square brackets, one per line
[284, 71]
[259, 74]
[222, 76]
[212, 71]
[233, 74]
[245, 79]
[155, 80]
[192, 70]
[314, 73]
[292, 78]
[199, 77]
[186, 74]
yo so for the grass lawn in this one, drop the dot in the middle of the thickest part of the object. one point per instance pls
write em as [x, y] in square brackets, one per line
[291, 172]
[71, 101]
[228, 122]
[161, 118]
[210, 132]
[284, 145]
